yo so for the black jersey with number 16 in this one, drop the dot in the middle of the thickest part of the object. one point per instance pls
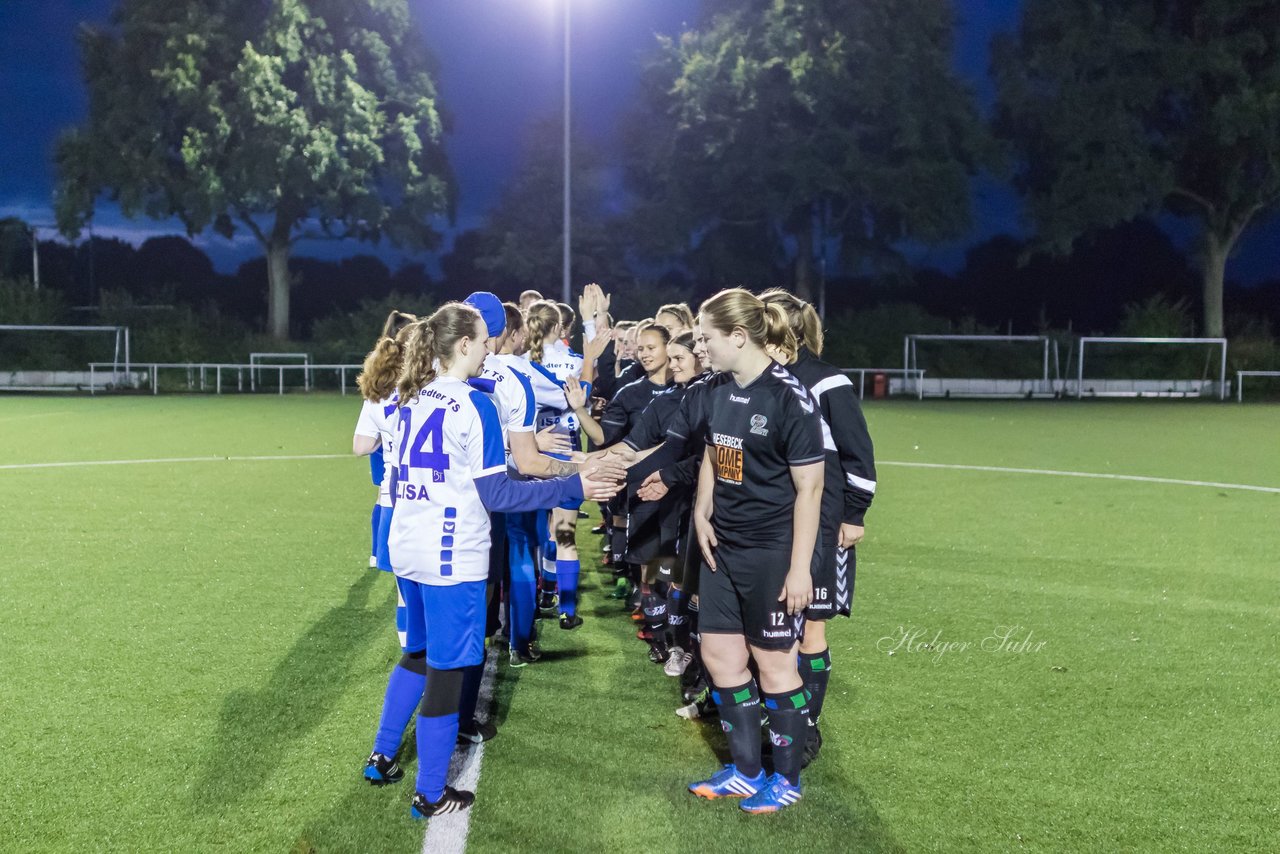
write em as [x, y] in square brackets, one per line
[755, 435]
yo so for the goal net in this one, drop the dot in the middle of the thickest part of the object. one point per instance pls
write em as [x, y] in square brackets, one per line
[54, 357]
[982, 365]
[1151, 367]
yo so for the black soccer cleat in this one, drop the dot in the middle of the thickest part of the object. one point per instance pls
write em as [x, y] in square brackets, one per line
[658, 651]
[451, 801]
[547, 603]
[812, 746]
[598, 530]
[477, 733]
[569, 622]
[381, 770]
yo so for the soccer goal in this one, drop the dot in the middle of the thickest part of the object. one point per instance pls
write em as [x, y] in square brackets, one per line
[258, 361]
[991, 366]
[56, 357]
[1152, 367]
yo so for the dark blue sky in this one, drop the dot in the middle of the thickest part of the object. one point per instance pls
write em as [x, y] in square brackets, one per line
[500, 70]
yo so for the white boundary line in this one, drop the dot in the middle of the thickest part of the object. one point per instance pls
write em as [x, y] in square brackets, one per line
[448, 833]
[240, 459]
[1274, 490]
[1094, 475]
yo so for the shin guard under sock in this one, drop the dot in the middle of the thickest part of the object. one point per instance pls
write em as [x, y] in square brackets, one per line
[788, 730]
[740, 720]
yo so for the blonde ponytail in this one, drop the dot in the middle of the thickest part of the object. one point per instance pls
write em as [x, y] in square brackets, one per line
[430, 343]
[541, 319]
[764, 325]
[805, 323]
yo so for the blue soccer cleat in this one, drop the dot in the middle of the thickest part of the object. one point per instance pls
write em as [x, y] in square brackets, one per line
[451, 800]
[728, 783]
[381, 770]
[776, 795]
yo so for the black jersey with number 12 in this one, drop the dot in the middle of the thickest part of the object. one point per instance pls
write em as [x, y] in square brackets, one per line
[756, 434]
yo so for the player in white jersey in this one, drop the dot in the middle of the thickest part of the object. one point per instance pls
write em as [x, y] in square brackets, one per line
[450, 473]
[375, 430]
[395, 321]
[555, 364]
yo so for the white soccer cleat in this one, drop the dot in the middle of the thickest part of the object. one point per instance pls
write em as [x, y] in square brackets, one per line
[677, 661]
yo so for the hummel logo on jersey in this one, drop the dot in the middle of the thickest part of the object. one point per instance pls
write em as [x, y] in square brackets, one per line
[733, 398]
[757, 425]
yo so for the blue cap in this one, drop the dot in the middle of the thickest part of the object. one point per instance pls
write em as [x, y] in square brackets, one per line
[490, 308]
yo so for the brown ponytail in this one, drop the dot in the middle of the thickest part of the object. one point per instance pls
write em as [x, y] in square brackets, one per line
[430, 343]
[805, 323]
[396, 321]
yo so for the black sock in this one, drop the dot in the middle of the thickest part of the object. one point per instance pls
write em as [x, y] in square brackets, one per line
[655, 614]
[740, 720]
[815, 670]
[788, 730]
[470, 695]
[677, 618]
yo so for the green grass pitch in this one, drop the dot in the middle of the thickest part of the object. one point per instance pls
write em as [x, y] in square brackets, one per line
[192, 655]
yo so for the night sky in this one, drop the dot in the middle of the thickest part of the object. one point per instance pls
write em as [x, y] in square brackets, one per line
[500, 70]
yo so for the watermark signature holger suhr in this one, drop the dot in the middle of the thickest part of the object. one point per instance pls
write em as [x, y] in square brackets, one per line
[1006, 640]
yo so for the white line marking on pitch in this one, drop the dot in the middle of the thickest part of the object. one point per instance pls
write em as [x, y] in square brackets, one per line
[224, 459]
[448, 833]
[1274, 490]
[1094, 475]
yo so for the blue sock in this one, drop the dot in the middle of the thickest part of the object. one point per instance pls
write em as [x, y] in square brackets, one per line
[523, 595]
[404, 693]
[374, 517]
[567, 572]
[436, 737]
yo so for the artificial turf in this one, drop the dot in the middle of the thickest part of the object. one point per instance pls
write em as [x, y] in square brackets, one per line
[193, 654]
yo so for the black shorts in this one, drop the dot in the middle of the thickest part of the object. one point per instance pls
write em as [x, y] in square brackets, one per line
[741, 596]
[833, 573]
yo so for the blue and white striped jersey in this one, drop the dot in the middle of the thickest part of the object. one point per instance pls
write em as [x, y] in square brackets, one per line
[513, 396]
[449, 435]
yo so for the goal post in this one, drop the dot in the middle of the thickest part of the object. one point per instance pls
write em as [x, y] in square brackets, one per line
[1106, 383]
[38, 364]
[1004, 366]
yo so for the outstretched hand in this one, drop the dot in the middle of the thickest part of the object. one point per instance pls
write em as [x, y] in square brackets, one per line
[575, 393]
[652, 489]
[597, 487]
[551, 442]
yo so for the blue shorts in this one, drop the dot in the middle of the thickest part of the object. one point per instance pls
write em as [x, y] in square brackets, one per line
[384, 532]
[447, 622]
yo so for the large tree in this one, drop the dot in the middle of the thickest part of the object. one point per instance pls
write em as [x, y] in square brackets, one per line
[1134, 107]
[286, 118]
[809, 121]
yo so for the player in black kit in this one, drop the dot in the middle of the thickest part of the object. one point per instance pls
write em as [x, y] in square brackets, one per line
[849, 489]
[756, 513]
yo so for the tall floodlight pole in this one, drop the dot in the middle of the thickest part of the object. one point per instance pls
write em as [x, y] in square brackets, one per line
[567, 230]
[35, 258]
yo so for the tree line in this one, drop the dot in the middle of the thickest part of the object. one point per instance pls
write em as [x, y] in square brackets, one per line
[771, 142]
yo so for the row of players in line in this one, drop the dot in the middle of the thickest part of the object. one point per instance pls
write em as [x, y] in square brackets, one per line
[766, 469]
